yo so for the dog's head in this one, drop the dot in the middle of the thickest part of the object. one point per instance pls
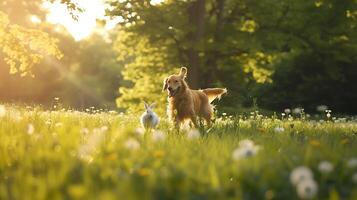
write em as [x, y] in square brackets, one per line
[175, 83]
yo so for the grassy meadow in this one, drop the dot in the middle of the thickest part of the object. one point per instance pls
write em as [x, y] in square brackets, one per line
[95, 154]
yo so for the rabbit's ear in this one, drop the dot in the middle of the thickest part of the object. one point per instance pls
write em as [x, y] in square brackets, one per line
[146, 105]
[152, 105]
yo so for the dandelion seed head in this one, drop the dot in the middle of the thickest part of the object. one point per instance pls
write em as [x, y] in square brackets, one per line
[352, 163]
[279, 129]
[193, 134]
[325, 167]
[30, 129]
[307, 189]
[158, 136]
[299, 174]
[132, 144]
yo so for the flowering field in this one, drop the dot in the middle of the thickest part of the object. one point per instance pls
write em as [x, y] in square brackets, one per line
[103, 155]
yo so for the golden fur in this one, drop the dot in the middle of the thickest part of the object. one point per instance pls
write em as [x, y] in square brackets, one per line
[187, 104]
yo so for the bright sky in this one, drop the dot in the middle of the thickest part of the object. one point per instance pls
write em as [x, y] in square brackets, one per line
[86, 24]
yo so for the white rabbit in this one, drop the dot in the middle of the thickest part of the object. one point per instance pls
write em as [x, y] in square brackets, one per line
[149, 118]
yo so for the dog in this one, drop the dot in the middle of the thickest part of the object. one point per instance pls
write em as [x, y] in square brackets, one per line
[187, 104]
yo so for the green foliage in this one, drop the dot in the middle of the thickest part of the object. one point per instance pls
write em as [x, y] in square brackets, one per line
[23, 48]
[241, 44]
[77, 155]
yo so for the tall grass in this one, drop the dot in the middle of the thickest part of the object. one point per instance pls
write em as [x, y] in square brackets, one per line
[102, 155]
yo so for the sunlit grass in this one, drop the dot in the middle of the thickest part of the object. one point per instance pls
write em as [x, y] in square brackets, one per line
[102, 155]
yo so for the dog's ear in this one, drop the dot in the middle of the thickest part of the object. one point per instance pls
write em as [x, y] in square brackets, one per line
[183, 72]
[164, 87]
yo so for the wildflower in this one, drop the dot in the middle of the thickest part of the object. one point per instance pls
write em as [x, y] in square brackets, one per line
[352, 163]
[287, 111]
[279, 129]
[297, 110]
[59, 124]
[30, 129]
[144, 172]
[84, 131]
[246, 149]
[158, 136]
[307, 189]
[2, 111]
[104, 128]
[354, 177]
[132, 144]
[300, 174]
[246, 143]
[193, 134]
[139, 132]
[321, 108]
[325, 167]
[159, 154]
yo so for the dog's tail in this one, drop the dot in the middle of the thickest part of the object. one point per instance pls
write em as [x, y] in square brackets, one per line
[213, 93]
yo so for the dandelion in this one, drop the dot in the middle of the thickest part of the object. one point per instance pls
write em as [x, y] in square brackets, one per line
[354, 177]
[325, 167]
[158, 136]
[132, 144]
[321, 108]
[328, 113]
[279, 129]
[246, 149]
[300, 174]
[287, 111]
[84, 131]
[59, 124]
[307, 189]
[30, 129]
[297, 111]
[104, 128]
[2, 111]
[352, 163]
[193, 134]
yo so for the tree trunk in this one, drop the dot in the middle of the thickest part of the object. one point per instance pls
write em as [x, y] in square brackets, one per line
[196, 14]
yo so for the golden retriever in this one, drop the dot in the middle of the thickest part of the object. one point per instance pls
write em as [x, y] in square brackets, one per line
[187, 104]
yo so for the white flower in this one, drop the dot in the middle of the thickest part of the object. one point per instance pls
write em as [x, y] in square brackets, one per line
[2, 111]
[104, 128]
[354, 177]
[279, 129]
[30, 129]
[307, 189]
[246, 149]
[321, 108]
[352, 163]
[287, 110]
[244, 152]
[299, 174]
[84, 131]
[140, 132]
[59, 124]
[158, 136]
[325, 167]
[193, 134]
[297, 110]
[246, 143]
[132, 144]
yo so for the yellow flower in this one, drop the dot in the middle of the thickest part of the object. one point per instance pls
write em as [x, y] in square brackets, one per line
[144, 172]
[159, 154]
[112, 156]
[315, 143]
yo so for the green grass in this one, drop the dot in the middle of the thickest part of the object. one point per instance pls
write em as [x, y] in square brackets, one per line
[69, 155]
